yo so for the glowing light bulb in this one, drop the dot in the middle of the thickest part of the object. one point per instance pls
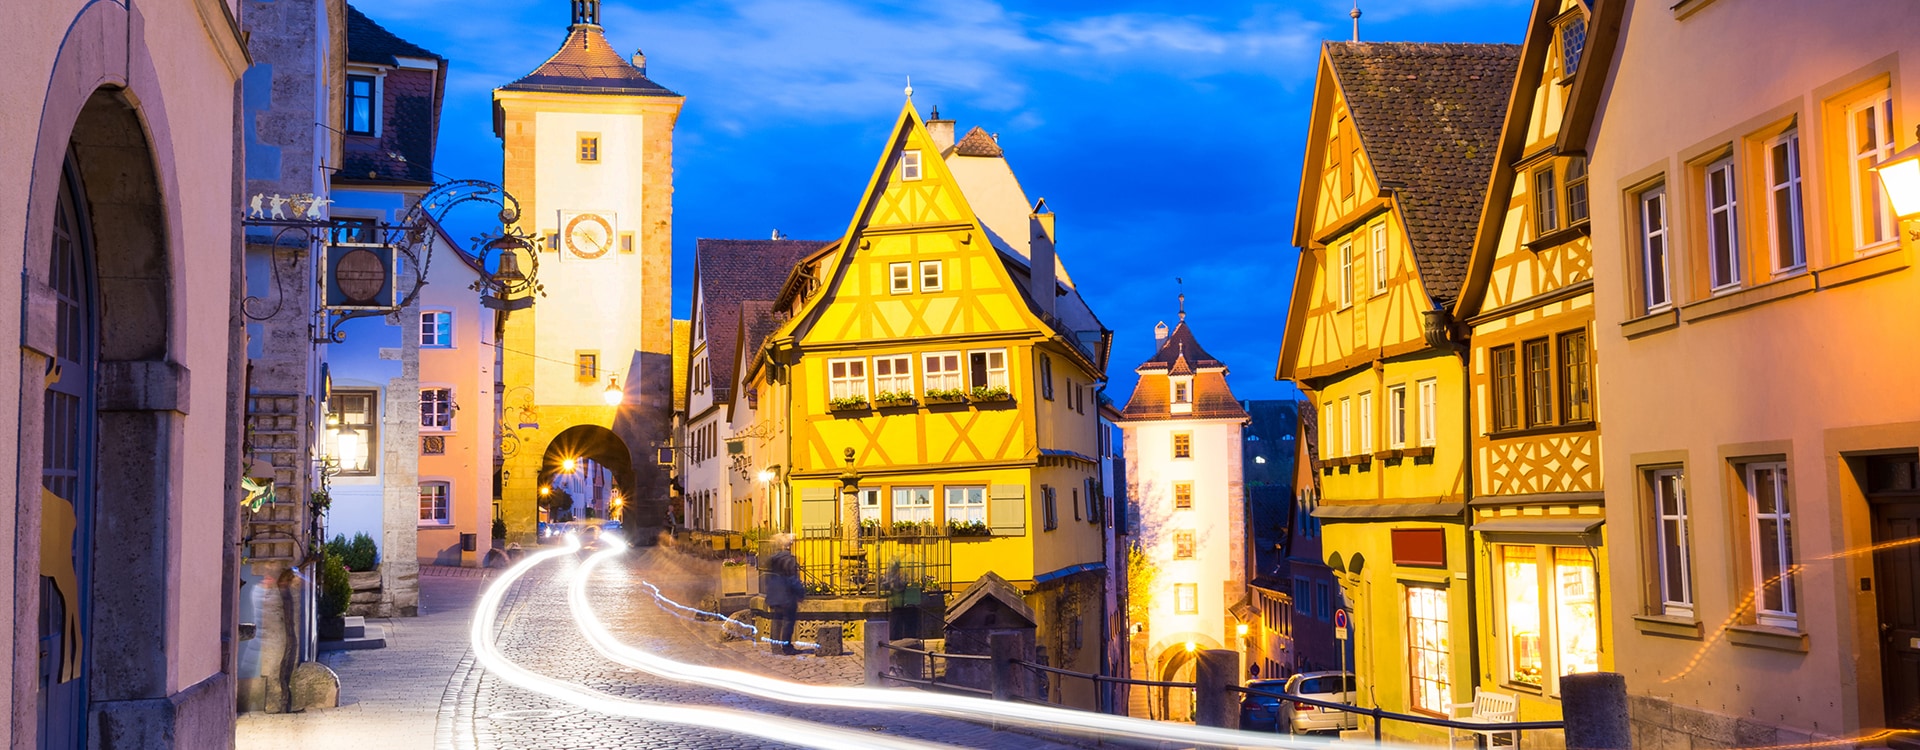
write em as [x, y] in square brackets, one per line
[567, 465]
[545, 490]
[613, 395]
[1191, 646]
[1240, 630]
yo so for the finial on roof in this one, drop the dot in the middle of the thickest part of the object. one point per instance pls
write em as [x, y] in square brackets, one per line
[909, 87]
[1355, 14]
[1183, 297]
[586, 12]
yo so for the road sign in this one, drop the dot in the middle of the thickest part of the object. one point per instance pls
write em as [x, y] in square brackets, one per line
[1340, 624]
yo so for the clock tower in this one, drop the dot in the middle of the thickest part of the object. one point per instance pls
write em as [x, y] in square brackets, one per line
[586, 372]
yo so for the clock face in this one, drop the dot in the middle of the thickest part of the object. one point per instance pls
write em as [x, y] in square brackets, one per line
[589, 235]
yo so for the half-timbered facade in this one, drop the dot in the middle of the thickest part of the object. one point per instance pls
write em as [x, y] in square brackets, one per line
[922, 362]
[1537, 505]
[1398, 154]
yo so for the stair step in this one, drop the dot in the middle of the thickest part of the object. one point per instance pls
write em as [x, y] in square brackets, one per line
[374, 637]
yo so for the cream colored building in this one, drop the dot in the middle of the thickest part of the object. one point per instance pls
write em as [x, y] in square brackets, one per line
[588, 142]
[119, 183]
[1755, 318]
[1183, 435]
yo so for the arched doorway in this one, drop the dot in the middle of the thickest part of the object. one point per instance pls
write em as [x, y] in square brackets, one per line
[98, 300]
[573, 462]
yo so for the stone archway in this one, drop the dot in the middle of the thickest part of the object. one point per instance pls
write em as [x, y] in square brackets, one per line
[589, 443]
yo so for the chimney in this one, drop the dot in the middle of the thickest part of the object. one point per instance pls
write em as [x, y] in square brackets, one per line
[640, 61]
[941, 130]
[1159, 335]
[1041, 255]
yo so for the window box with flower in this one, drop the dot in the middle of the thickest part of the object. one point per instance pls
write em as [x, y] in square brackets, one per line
[893, 399]
[962, 529]
[945, 396]
[849, 403]
[985, 394]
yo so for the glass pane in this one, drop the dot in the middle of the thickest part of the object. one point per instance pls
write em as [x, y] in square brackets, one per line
[1763, 498]
[1576, 616]
[1772, 595]
[1674, 558]
[1522, 581]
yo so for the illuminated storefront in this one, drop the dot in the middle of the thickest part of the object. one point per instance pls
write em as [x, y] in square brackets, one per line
[1549, 612]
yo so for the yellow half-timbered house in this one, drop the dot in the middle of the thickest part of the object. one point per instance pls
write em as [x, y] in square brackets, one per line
[1537, 508]
[1398, 154]
[922, 365]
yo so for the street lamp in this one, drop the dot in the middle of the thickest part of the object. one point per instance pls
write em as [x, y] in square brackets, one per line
[567, 465]
[1900, 176]
[613, 394]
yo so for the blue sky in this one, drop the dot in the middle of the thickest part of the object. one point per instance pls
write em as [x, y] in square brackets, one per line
[1167, 136]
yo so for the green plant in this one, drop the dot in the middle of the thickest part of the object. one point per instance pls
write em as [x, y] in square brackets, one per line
[321, 501]
[910, 528]
[995, 393]
[894, 398]
[500, 528]
[946, 394]
[850, 402]
[335, 588]
[359, 555]
[968, 528]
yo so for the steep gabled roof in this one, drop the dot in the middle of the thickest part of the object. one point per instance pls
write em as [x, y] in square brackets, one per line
[1429, 117]
[731, 272]
[978, 143]
[588, 64]
[370, 43]
[1181, 355]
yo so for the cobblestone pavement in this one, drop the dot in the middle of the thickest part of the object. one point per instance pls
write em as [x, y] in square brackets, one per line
[426, 691]
[538, 634]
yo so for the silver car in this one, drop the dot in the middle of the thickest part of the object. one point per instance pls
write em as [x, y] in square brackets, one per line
[1333, 687]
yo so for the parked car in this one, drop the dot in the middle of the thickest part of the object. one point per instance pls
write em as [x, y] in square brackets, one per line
[1261, 713]
[1333, 687]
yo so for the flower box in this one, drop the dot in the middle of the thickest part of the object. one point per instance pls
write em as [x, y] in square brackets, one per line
[960, 529]
[946, 396]
[893, 400]
[851, 403]
[984, 394]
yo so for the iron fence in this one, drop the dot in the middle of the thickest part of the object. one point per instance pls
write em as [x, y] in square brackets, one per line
[910, 568]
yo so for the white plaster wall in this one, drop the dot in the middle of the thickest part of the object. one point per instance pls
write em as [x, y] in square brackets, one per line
[467, 368]
[590, 304]
[1217, 524]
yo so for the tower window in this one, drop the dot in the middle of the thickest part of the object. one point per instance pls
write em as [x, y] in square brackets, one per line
[589, 148]
[586, 365]
[910, 166]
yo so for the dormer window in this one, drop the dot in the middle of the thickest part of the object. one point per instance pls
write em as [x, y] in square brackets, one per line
[1182, 397]
[362, 117]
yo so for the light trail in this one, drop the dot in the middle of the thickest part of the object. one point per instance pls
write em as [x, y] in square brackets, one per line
[788, 731]
[667, 603]
[1045, 718]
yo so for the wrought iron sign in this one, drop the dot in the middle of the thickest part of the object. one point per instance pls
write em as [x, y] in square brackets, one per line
[368, 268]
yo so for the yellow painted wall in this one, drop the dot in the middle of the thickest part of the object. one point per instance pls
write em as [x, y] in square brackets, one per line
[1378, 594]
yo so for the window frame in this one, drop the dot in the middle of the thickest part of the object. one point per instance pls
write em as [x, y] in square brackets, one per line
[1536, 362]
[913, 495]
[965, 505]
[442, 513]
[1397, 416]
[958, 374]
[1346, 274]
[1183, 445]
[1186, 598]
[1728, 182]
[1655, 297]
[1185, 544]
[912, 166]
[1505, 387]
[849, 378]
[441, 419]
[1442, 677]
[938, 277]
[988, 373]
[1183, 495]
[1575, 378]
[586, 366]
[1546, 201]
[900, 278]
[1429, 390]
[586, 148]
[1377, 253]
[1668, 602]
[442, 329]
[1861, 167]
[336, 421]
[1046, 376]
[1787, 616]
[1366, 423]
[1574, 184]
[1794, 186]
[371, 100]
[1050, 504]
[897, 376]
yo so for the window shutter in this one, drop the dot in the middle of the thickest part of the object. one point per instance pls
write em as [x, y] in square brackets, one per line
[817, 511]
[1007, 510]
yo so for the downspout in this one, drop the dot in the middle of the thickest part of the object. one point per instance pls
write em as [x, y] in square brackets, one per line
[1444, 332]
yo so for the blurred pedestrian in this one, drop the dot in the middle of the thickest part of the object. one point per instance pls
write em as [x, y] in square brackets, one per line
[783, 589]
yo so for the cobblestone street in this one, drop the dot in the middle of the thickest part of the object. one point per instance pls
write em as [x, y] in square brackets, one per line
[426, 691]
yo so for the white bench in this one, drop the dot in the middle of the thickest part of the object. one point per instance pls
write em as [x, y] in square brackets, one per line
[1487, 708]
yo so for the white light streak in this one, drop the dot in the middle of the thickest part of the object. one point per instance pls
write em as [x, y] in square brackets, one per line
[788, 731]
[1046, 718]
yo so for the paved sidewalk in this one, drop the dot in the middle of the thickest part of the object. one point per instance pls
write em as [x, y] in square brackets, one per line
[390, 697]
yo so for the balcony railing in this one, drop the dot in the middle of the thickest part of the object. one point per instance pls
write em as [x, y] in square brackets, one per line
[907, 565]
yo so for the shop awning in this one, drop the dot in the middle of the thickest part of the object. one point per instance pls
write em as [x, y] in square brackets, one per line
[1539, 525]
[1390, 510]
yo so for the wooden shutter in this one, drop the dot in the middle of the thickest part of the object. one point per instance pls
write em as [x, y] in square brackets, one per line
[1007, 510]
[818, 506]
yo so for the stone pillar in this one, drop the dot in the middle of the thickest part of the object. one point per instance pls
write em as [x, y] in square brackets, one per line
[1214, 670]
[1595, 707]
[874, 635]
[1006, 649]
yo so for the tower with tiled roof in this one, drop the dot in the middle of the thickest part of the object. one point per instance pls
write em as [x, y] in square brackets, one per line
[1182, 431]
[587, 373]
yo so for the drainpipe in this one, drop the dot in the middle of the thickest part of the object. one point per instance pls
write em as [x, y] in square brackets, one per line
[1444, 332]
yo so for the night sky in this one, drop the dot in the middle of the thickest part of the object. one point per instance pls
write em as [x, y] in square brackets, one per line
[1167, 136]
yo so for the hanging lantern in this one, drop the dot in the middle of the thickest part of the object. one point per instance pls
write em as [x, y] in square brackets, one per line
[614, 395]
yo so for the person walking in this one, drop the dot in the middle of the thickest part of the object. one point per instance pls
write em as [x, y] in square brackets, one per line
[783, 589]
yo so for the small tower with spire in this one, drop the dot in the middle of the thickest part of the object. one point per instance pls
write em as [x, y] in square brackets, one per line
[586, 12]
[1355, 15]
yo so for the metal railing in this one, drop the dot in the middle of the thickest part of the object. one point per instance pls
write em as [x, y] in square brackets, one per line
[1105, 700]
[1380, 716]
[928, 669]
[908, 566]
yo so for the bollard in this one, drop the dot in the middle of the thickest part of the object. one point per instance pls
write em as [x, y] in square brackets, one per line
[1005, 649]
[1595, 707]
[874, 637]
[829, 637]
[1213, 705]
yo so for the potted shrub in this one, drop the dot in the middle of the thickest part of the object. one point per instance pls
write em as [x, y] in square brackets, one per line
[891, 399]
[850, 403]
[908, 528]
[335, 592]
[869, 527]
[499, 533]
[995, 393]
[968, 528]
[945, 395]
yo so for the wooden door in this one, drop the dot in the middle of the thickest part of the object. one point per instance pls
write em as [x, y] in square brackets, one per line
[1894, 496]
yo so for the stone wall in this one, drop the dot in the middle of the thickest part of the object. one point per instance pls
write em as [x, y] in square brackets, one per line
[1659, 724]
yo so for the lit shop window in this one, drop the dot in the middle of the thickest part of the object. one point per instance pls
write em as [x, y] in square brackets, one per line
[1428, 649]
[1552, 621]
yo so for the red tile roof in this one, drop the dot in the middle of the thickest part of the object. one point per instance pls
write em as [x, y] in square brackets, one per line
[978, 143]
[730, 272]
[588, 64]
[1181, 355]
